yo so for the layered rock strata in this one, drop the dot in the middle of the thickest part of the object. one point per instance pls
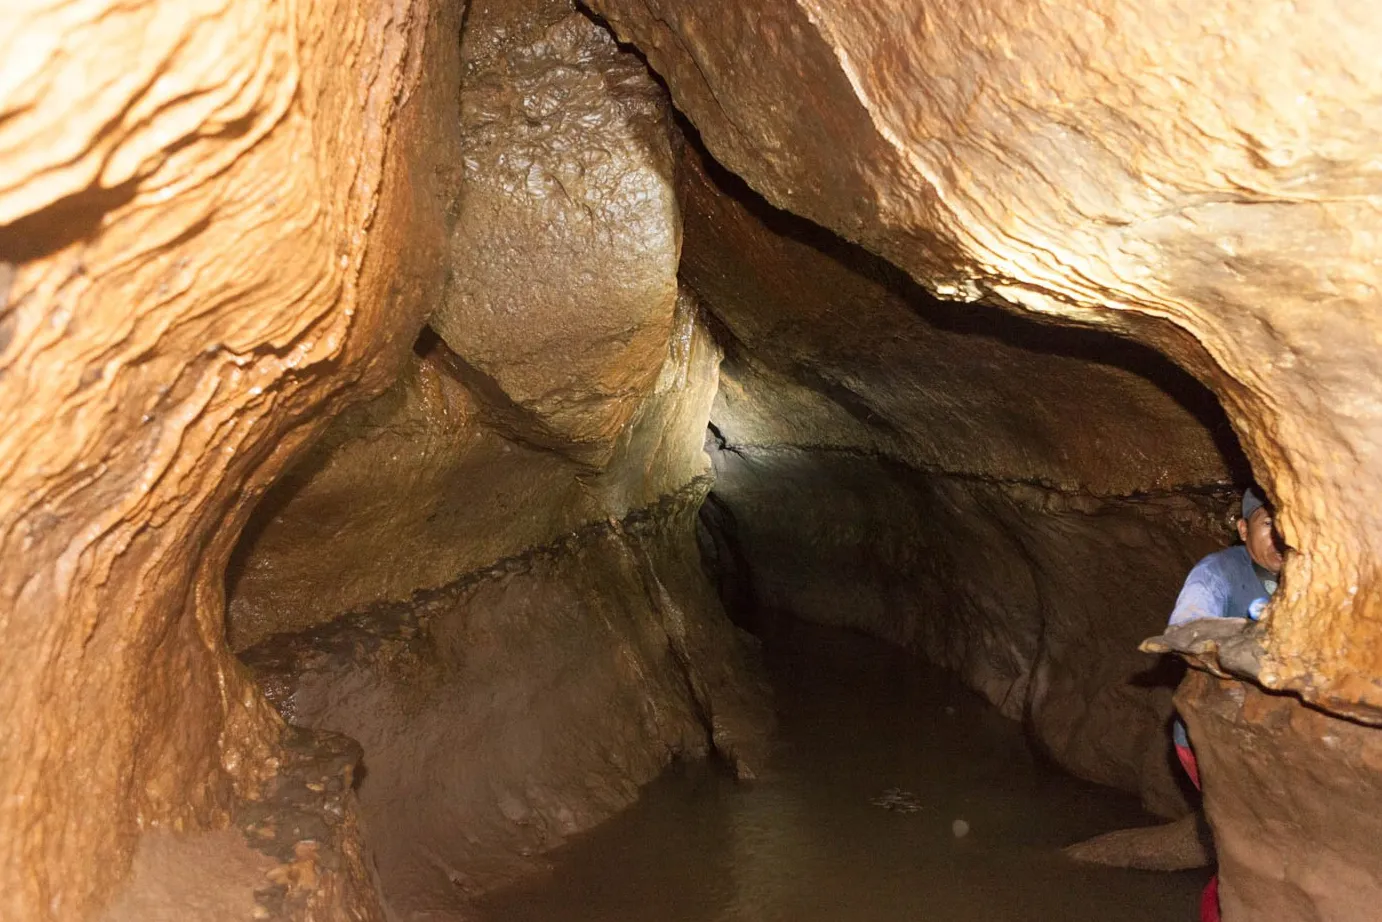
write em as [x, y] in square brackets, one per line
[219, 226]
[488, 576]
[1199, 182]
[527, 702]
[1013, 500]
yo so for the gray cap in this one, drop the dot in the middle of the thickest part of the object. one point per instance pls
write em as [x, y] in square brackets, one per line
[1252, 501]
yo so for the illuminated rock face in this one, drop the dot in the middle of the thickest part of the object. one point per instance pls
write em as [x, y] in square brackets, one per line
[567, 380]
[220, 224]
[529, 636]
[1014, 500]
[1313, 855]
[1201, 182]
[222, 227]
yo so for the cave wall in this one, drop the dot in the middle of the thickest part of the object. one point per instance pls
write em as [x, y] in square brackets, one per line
[1197, 180]
[1312, 857]
[567, 378]
[424, 485]
[240, 232]
[504, 713]
[488, 575]
[1037, 599]
[1015, 501]
[218, 228]
[1217, 200]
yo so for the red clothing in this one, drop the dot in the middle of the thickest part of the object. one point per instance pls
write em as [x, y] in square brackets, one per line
[1187, 762]
[1209, 900]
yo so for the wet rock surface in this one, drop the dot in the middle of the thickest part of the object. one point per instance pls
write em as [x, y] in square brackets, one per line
[566, 252]
[1015, 501]
[219, 227]
[488, 576]
[418, 487]
[502, 714]
[293, 853]
[1289, 793]
[1174, 846]
[1217, 202]
[565, 377]
[308, 821]
[1037, 599]
[223, 228]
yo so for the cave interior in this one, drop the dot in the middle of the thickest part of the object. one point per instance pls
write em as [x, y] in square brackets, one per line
[453, 431]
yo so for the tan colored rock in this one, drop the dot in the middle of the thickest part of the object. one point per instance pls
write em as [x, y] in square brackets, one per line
[219, 227]
[569, 380]
[868, 361]
[1002, 496]
[565, 255]
[227, 872]
[1200, 179]
[1291, 795]
[488, 575]
[510, 711]
[1176, 846]
[421, 486]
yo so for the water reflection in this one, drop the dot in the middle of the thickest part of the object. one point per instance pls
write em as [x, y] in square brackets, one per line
[809, 846]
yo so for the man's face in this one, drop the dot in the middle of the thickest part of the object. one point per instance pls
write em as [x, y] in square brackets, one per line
[1264, 544]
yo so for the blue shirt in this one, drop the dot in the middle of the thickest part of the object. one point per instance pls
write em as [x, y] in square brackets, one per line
[1226, 584]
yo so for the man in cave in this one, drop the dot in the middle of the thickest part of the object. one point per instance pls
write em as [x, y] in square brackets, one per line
[1233, 583]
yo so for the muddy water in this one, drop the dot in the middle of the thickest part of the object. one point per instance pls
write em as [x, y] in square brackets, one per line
[858, 719]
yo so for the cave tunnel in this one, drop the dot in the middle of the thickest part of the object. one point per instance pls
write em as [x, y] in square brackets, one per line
[653, 459]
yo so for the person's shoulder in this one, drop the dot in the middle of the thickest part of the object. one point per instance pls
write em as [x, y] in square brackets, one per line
[1223, 561]
[1233, 554]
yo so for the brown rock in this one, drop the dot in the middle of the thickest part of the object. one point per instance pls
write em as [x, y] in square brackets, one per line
[1215, 199]
[423, 485]
[219, 229]
[1016, 501]
[226, 870]
[1174, 846]
[569, 380]
[1289, 792]
[567, 246]
[488, 575]
[508, 712]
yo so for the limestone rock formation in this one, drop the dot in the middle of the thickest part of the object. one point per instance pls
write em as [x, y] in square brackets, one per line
[219, 226]
[527, 703]
[488, 576]
[1201, 182]
[1174, 846]
[1314, 855]
[565, 256]
[423, 486]
[1016, 501]
[223, 227]
[568, 380]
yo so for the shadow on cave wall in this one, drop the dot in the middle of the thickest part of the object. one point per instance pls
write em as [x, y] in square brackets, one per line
[1025, 332]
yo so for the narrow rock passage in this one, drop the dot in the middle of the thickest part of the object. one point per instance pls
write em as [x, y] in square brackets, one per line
[858, 720]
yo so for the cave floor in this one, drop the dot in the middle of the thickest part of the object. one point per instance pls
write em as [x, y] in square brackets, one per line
[809, 843]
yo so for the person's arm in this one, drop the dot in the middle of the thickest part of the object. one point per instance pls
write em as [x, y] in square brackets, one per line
[1204, 595]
